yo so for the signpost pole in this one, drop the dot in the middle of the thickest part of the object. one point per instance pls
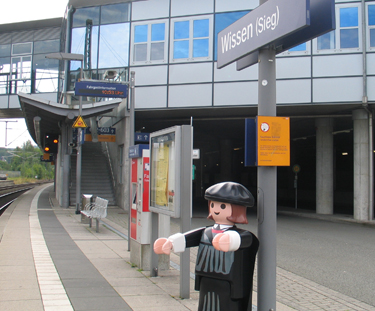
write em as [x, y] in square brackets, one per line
[79, 155]
[131, 139]
[267, 189]
[185, 213]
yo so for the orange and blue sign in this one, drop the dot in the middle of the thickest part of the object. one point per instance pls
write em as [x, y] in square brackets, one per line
[267, 141]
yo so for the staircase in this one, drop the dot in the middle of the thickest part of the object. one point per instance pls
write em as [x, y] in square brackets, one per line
[96, 176]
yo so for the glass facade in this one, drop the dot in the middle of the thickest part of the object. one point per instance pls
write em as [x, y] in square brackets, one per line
[192, 38]
[24, 68]
[105, 45]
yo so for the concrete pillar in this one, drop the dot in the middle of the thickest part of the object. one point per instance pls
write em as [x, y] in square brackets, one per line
[361, 164]
[324, 166]
[226, 150]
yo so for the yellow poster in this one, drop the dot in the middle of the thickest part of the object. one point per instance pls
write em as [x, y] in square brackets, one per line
[273, 141]
[162, 175]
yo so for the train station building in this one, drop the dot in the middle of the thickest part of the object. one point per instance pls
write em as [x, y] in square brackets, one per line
[326, 86]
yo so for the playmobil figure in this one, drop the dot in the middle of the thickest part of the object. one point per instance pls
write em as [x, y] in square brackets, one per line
[226, 255]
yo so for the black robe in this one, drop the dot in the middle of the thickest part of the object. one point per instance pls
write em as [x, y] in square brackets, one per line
[224, 279]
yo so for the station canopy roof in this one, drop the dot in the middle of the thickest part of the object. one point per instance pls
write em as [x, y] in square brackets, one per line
[52, 114]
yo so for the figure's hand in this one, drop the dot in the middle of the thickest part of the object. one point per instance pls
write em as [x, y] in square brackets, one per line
[162, 246]
[221, 242]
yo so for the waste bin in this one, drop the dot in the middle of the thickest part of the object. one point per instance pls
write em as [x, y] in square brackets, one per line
[85, 200]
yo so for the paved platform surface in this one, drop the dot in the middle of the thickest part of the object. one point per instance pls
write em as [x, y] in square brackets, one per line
[49, 260]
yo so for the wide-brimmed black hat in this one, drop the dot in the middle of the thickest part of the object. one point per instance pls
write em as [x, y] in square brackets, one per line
[230, 192]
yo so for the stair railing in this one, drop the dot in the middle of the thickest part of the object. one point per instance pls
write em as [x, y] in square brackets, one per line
[110, 166]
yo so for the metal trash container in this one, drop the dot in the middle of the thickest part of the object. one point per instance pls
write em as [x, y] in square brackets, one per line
[86, 199]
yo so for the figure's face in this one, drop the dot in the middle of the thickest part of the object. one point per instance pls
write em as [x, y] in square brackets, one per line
[220, 212]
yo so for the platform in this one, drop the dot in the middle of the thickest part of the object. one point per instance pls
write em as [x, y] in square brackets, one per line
[49, 260]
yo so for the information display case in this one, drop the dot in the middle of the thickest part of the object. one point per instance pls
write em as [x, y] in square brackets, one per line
[165, 161]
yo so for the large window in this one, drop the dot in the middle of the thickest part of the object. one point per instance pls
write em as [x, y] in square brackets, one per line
[20, 78]
[24, 68]
[46, 71]
[149, 44]
[191, 40]
[104, 44]
[371, 25]
[4, 74]
[347, 36]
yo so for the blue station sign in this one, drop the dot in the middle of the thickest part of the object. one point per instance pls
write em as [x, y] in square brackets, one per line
[136, 150]
[101, 89]
[322, 20]
[142, 137]
[272, 20]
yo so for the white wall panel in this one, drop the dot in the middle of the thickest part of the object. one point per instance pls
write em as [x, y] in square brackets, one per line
[337, 90]
[49, 96]
[150, 9]
[370, 63]
[235, 5]
[337, 65]
[230, 73]
[150, 75]
[3, 102]
[191, 7]
[190, 73]
[293, 67]
[190, 95]
[371, 88]
[235, 94]
[293, 91]
[14, 101]
[151, 97]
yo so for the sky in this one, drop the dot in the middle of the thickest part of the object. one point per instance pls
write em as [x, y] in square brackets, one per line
[15, 133]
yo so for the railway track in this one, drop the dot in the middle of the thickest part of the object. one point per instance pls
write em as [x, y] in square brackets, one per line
[10, 192]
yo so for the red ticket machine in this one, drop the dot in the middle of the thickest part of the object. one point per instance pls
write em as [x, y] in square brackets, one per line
[140, 214]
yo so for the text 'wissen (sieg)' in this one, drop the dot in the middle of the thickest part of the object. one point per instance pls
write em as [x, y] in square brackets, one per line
[262, 25]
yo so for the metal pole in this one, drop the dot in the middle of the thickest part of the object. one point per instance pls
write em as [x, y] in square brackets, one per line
[296, 186]
[267, 189]
[79, 155]
[131, 139]
[154, 261]
[186, 203]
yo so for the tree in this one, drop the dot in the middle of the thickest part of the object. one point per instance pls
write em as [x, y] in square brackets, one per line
[27, 160]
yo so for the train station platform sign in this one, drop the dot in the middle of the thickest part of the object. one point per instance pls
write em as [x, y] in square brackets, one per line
[101, 89]
[272, 20]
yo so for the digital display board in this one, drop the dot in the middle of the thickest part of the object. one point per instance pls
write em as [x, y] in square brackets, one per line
[101, 89]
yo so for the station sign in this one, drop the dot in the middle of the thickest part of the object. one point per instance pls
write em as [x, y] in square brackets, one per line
[136, 151]
[322, 20]
[142, 137]
[272, 20]
[101, 89]
[105, 134]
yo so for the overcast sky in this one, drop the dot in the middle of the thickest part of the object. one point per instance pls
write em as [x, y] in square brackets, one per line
[26, 10]
[15, 133]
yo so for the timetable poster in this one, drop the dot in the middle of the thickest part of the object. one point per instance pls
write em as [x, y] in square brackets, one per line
[162, 168]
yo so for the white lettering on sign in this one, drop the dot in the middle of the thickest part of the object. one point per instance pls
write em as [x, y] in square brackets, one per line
[264, 23]
[267, 22]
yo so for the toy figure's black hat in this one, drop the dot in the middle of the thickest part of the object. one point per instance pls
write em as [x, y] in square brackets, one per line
[230, 192]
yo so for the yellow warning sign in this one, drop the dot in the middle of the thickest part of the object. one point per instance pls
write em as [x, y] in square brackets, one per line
[79, 123]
